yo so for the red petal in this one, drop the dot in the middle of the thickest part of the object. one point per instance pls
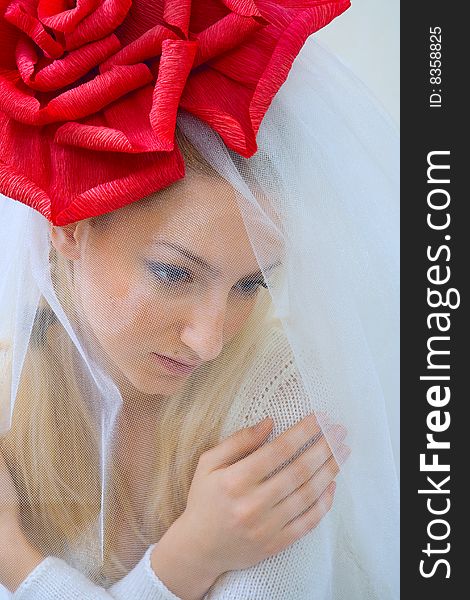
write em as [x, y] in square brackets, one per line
[143, 16]
[246, 8]
[121, 179]
[16, 15]
[290, 43]
[247, 64]
[109, 157]
[58, 15]
[177, 14]
[100, 23]
[225, 108]
[224, 35]
[149, 45]
[22, 177]
[68, 69]
[123, 126]
[9, 35]
[67, 183]
[14, 184]
[283, 5]
[93, 137]
[16, 100]
[92, 96]
[76, 103]
[281, 14]
[253, 73]
[205, 13]
[26, 58]
[175, 65]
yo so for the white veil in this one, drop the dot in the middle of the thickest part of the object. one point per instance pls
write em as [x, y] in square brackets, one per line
[324, 182]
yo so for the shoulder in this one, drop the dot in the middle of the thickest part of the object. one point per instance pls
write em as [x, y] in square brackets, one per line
[272, 387]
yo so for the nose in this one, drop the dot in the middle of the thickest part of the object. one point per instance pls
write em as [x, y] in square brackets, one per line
[204, 331]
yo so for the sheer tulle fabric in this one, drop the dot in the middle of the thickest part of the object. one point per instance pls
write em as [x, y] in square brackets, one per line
[320, 194]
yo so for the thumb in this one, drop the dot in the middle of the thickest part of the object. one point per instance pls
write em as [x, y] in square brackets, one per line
[239, 444]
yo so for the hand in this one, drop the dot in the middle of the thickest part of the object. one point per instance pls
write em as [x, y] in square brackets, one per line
[17, 557]
[237, 516]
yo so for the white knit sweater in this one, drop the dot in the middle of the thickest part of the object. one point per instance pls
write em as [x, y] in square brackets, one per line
[301, 571]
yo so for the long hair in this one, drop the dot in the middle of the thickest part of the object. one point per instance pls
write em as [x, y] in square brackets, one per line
[52, 448]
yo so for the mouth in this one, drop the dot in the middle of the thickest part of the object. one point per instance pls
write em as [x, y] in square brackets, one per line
[175, 366]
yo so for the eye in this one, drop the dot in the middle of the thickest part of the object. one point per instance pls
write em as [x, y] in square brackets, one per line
[169, 273]
[250, 287]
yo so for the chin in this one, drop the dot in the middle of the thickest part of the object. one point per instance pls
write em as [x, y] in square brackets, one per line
[147, 380]
[158, 386]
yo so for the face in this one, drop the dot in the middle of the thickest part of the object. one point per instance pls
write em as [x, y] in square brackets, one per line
[172, 276]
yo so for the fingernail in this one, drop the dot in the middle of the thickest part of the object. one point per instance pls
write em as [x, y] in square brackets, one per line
[339, 430]
[344, 452]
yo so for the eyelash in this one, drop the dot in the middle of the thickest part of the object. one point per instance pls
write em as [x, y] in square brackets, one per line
[155, 267]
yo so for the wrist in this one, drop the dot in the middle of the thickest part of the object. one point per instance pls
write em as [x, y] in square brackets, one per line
[181, 563]
[18, 558]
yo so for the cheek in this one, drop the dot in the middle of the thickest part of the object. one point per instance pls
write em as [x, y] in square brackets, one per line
[237, 317]
[156, 318]
[111, 300]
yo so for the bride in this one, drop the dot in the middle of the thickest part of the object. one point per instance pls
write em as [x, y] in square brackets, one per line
[180, 371]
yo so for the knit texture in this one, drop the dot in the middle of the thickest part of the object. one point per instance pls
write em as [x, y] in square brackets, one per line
[54, 579]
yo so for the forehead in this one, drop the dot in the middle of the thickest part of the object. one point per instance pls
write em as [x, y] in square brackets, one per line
[202, 213]
[198, 204]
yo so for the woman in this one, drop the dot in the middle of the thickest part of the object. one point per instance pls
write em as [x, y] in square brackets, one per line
[141, 297]
[127, 474]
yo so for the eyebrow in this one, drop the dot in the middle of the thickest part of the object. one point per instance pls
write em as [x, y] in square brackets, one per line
[200, 261]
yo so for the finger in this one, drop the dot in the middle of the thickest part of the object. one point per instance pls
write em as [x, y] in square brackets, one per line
[307, 494]
[235, 447]
[301, 469]
[322, 478]
[299, 526]
[264, 460]
[331, 467]
[340, 455]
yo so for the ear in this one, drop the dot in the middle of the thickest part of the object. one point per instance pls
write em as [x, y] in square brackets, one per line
[64, 240]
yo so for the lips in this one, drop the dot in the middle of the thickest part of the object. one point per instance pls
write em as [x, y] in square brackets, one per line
[180, 362]
[173, 366]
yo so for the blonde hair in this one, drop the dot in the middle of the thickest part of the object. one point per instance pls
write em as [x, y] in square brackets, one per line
[52, 449]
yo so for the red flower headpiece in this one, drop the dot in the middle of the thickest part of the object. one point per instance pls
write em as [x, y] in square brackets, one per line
[89, 90]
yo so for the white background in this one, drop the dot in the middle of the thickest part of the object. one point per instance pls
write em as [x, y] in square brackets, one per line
[367, 39]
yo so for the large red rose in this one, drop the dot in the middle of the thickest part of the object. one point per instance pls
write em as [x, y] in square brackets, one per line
[90, 90]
